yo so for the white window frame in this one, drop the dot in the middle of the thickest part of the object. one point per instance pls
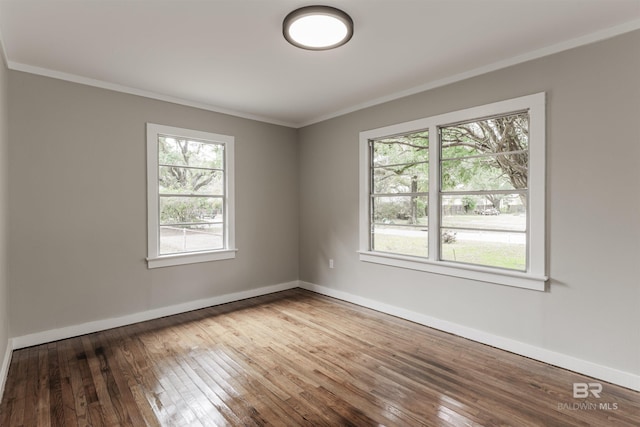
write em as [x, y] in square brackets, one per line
[154, 259]
[535, 275]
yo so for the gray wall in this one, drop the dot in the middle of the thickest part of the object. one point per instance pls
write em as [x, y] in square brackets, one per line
[592, 310]
[4, 134]
[77, 206]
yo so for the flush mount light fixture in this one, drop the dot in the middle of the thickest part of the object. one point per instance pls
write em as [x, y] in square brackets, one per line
[317, 27]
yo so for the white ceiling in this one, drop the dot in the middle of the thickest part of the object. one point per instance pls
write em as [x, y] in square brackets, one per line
[230, 56]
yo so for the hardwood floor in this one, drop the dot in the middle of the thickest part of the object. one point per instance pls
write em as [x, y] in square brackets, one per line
[294, 358]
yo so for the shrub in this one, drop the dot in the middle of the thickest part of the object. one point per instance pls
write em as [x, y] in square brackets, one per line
[449, 236]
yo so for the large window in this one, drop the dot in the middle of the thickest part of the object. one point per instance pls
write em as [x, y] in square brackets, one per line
[190, 196]
[460, 194]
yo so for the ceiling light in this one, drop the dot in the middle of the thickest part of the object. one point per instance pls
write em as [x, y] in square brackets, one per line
[317, 27]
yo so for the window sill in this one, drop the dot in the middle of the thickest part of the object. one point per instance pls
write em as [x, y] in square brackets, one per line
[190, 258]
[483, 274]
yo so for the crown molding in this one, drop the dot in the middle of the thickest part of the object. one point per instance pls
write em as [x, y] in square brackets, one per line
[515, 60]
[74, 78]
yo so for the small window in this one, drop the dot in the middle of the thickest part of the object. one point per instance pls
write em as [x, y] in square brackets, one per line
[460, 194]
[190, 196]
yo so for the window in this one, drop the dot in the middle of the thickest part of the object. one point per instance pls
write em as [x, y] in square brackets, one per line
[460, 194]
[190, 196]
[400, 194]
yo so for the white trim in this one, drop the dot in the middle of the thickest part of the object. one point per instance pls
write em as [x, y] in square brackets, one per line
[473, 272]
[74, 78]
[190, 258]
[539, 53]
[4, 368]
[537, 214]
[572, 363]
[515, 60]
[51, 335]
[364, 181]
[535, 275]
[154, 259]
[3, 52]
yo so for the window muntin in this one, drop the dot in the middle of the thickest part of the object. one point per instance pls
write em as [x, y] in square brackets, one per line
[462, 185]
[194, 181]
[190, 196]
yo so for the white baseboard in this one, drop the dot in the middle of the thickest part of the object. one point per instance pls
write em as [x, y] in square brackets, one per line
[605, 373]
[101, 325]
[4, 368]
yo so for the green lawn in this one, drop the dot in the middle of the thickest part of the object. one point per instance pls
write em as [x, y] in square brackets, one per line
[406, 245]
[494, 254]
[504, 255]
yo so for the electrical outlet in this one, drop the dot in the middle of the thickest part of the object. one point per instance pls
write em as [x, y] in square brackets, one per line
[330, 263]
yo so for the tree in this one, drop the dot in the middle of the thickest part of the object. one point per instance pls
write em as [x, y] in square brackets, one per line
[482, 155]
[468, 203]
[177, 153]
[401, 166]
[505, 139]
[189, 168]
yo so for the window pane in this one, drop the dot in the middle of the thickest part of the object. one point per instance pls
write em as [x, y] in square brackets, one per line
[487, 248]
[187, 152]
[400, 210]
[403, 149]
[490, 211]
[178, 180]
[401, 179]
[191, 238]
[499, 172]
[496, 135]
[177, 210]
[401, 240]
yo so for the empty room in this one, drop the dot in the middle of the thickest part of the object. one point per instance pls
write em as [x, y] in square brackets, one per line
[348, 213]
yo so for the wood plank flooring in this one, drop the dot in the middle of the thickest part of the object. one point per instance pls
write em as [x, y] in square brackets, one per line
[294, 358]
